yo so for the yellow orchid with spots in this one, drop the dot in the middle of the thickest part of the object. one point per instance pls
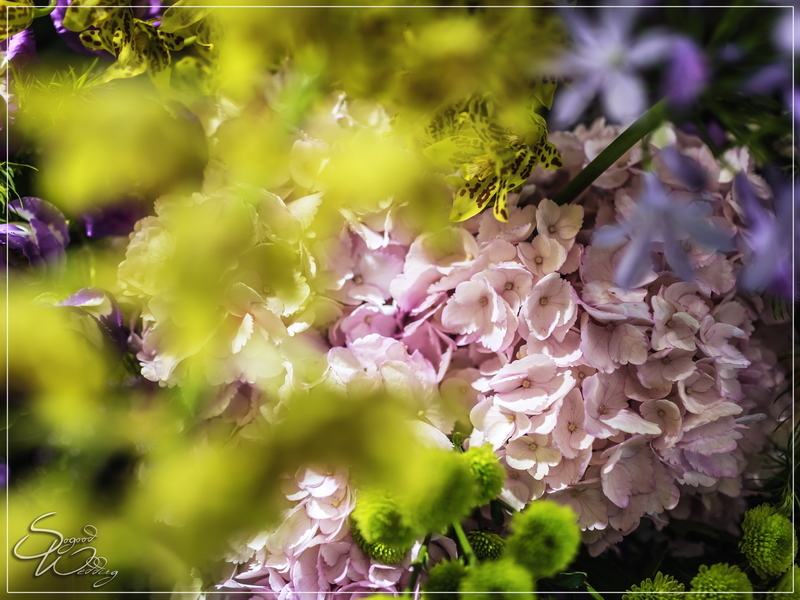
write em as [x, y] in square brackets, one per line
[137, 44]
[491, 159]
[15, 17]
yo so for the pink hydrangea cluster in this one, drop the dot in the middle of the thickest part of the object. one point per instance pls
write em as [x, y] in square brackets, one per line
[622, 403]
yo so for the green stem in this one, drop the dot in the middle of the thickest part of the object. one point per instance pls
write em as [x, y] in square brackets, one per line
[417, 566]
[45, 10]
[465, 547]
[626, 140]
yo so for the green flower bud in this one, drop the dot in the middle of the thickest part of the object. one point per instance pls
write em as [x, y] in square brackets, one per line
[486, 545]
[388, 555]
[497, 580]
[789, 581]
[487, 472]
[722, 582]
[769, 541]
[381, 521]
[443, 494]
[653, 589]
[444, 577]
[545, 538]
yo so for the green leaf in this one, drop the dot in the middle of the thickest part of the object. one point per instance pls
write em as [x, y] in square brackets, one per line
[570, 581]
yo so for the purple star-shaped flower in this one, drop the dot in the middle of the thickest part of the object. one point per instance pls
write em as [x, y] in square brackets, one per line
[665, 218]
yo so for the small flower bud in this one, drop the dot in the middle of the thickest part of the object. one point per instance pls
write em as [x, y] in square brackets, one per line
[487, 472]
[381, 521]
[486, 545]
[545, 538]
[444, 577]
[497, 580]
[387, 555]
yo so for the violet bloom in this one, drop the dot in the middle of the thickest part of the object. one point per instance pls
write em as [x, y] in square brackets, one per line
[605, 61]
[19, 49]
[665, 218]
[687, 73]
[117, 219]
[768, 236]
[43, 238]
[103, 309]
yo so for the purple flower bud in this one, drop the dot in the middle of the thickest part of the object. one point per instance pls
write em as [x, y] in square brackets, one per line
[687, 73]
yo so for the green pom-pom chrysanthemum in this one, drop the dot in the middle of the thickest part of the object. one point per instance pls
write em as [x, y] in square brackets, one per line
[381, 521]
[722, 582]
[486, 545]
[442, 578]
[444, 494]
[497, 580]
[545, 538]
[654, 589]
[769, 541]
[790, 582]
[487, 472]
[388, 555]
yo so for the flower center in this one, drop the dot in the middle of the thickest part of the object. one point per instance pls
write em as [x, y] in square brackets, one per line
[509, 286]
[484, 301]
[572, 427]
[610, 327]
[538, 260]
[510, 418]
[368, 319]
[581, 375]
[533, 446]
[543, 301]
[670, 324]
[421, 414]
[551, 229]
[526, 383]
[602, 410]
[665, 360]
[661, 413]
[688, 391]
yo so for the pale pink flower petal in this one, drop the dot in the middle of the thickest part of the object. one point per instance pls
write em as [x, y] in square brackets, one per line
[561, 223]
[672, 329]
[712, 438]
[569, 471]
[569, 435]
[666, 366]
[549, 305]
[607, 346]
[588, 502]
[542, 256]
[667, 416]
[533, 454]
